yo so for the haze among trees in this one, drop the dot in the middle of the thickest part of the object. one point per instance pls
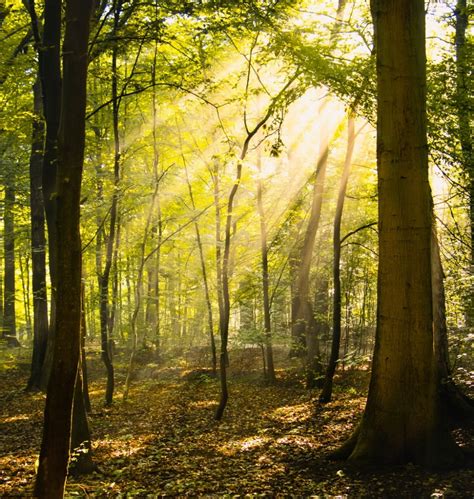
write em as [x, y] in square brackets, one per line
[237, 248]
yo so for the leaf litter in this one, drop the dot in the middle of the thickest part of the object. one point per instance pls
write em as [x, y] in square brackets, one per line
[274, 440]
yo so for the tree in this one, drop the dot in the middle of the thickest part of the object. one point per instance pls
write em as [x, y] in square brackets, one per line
[224, 311]
[464, 112]
[270, 368]
[9, 286]
[301, 307]
[402, 419]
[54, 455]
[38, 245]
[336, 332]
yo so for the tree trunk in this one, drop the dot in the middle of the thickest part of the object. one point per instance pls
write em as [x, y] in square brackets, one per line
[224, 309]
[81, 462]
[336, 322]
[463, 97]
[210, 319]
[84, 373]
[457, 405]
[9, 316]
[50, 75]
[54, 455]
[109, 241]
[301, 305]
[38, 246]
[401, 422]
[269, 368]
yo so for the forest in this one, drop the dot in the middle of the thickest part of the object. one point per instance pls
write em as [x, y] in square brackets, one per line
[236, 248]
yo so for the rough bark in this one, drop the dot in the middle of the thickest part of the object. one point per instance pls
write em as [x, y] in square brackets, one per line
[402, 422]
[54, 454]
[38, 246]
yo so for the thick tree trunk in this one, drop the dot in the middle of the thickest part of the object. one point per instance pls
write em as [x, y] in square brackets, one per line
[54, 455]
[336, 322]
[38, 246]
[401, 422]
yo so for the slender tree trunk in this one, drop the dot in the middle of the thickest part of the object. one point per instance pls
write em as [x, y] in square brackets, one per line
[269, 368]
[104, 278]
[85, 377]
[463, 98]
[204, 278]
[54, 455]
[402, 420]
[50, 75]
[81, 462]
[9, 286]
[139, 287]
[457, 404]
[38, 246]
[336, 324]
[300, 301]
[224, 310]
[225, 316]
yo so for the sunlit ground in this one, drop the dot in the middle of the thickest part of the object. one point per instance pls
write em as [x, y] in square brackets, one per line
[164, 439]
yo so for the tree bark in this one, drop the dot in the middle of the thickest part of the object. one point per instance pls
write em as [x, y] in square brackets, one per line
[463, 99]
[456, 404]
[9, 288]
[38, 246]
[54, 455]
[50, 75]
[402, 420]
[84, 372]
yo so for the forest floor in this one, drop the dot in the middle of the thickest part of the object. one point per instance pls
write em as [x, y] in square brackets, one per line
[273, 440]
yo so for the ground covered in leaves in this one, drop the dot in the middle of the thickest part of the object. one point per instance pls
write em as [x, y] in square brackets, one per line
[273, 440]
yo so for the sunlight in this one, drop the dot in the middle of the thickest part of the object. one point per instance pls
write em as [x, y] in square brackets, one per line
[15, 419]
[291, 413]
[203, 404]
[244, 444]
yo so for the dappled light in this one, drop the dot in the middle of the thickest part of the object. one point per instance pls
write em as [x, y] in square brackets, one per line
[236, 248]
